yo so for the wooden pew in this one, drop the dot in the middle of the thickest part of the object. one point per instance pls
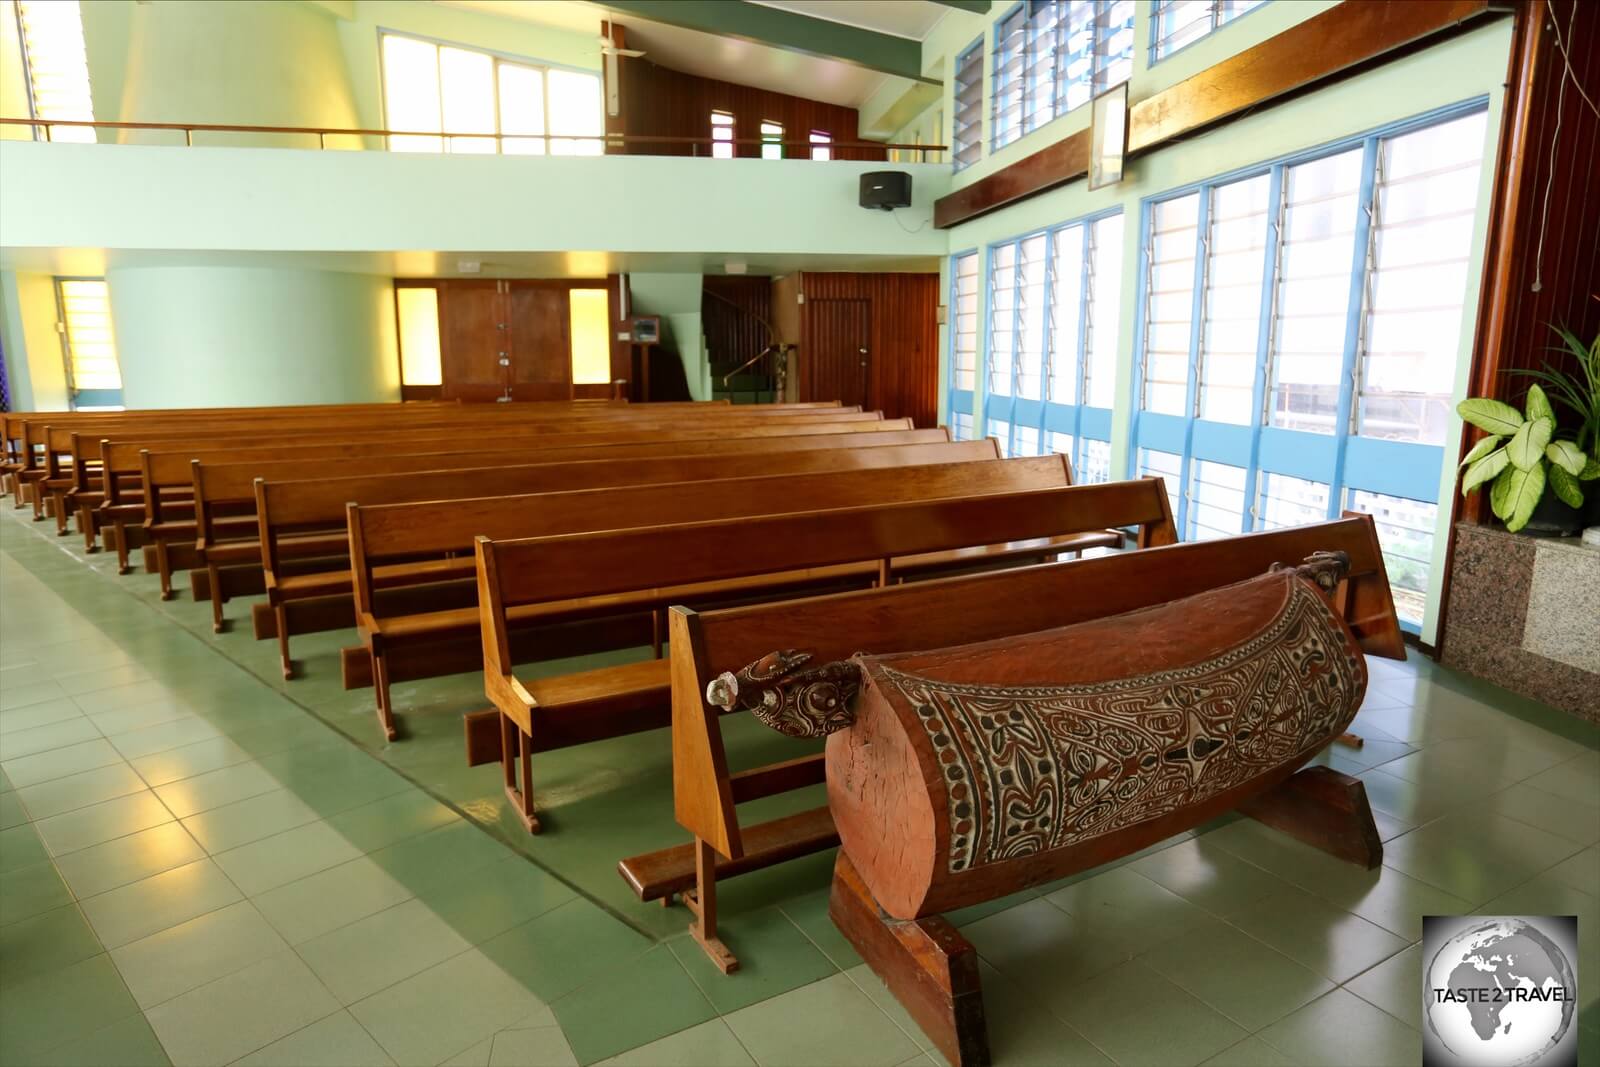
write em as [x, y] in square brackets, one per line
[759, 555]
[70, 458]
[166, 477]
[387, 541]
[288, 511]
[932, 615]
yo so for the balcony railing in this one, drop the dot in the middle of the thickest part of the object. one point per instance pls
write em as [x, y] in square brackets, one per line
[519, 143]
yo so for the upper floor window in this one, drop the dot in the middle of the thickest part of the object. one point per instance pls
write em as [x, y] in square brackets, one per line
[821, 145]
[51, 36]
[966, 132]
[1055, 55]
[431, 89]
[721, 135]
[89, 348]
[1176, 24]
[771, 140]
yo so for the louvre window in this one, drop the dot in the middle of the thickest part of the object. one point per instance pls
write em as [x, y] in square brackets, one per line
[964, 325]
[1179, 23]
[966, 133]
[1168, 466]
[821, 145]
[771, 140]
[431, 89]
[1094, 462]
[1051, 56]
[58, 67]
[721, 135]
[961, 427]
[1405, 532]
[1003, 301]
[1302, 330]
[93, 375]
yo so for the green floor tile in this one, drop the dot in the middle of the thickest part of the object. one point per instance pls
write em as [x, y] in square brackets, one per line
[21, 847]
[360, 958]
[286, 857]
[125, 1043]
[788, 1030]
[92, 871]
[1395, 986]
[1342, 1030]
[325, 901]
[393, 818]
[483, 902]
[56, 735]
[1476, 855]
[1208, 875]
[1114, 1012]
[439, 856]
[102, 678]
[191, 954]
[30, 890]
[61, 762]
[774, 957]
[1318, 935]
[50, 1009]
[564, 948]
[175, 733]
[337, 1041]
[213, 789]
[56, 938]
[1126, 904]
[103, 822]
[154, 904]
[445, 1010]
[630, 1005]
[809, 911]
[237, 1015]
[244, 821]
[1021, 1031]
[37, 715]
[1251, 1052]
[190, 760]
[12, 812]
[1042, 948]
[545, 1045]
[711, 1044]
[1236, 975]
[13, 696]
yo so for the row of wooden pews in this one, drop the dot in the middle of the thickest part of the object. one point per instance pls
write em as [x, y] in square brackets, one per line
[721, 542]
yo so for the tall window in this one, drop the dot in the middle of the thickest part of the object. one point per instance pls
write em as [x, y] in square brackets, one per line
[1301, 331]
[417, 309]
[1175, 24]
[88, 345]
[430, 89]
[821, 144]
[1051, 56]
[771, 140]
[57, 65]
[1050, 364]
[721, 135]
[963, 328]
[966, 131]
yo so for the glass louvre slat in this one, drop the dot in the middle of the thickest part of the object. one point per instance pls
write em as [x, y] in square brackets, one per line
[961, 426]
[1168, 466]
[1216, 500]
[1066, 314]
[1406, 529]
[1031, 317]
[1182, 22]
[1105, 311]
[57, 66]
[1169, 304]
[964, 354]
[87, 334]
[1094, 462]
[1232, 308]
[1288, 501]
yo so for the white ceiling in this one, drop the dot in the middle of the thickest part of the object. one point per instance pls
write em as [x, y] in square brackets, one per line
[900, 18]
[421, 264]
[743, 62]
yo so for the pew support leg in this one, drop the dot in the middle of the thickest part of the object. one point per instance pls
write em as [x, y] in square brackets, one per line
[380, 685]
[518, 781]
[702, 904]
[1327, 810]
[214, 573]
[929, 967]
[164, 567]
[91, 536]
[281, 614]
[119, 538]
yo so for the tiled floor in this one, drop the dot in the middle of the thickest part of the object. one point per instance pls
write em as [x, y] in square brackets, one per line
[196, 870]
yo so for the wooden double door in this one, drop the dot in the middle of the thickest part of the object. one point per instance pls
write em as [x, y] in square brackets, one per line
[505, 339]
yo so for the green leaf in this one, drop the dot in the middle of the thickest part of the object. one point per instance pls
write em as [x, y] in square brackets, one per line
[1591, 471]
[1526, 447]
[1482, 448]
[1484, 469]
[1490, 415]
[1566, 487]
[1538, 406]
[1515, 494]
[1565, 454]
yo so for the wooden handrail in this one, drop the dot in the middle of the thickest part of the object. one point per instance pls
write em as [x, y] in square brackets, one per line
[324, 132]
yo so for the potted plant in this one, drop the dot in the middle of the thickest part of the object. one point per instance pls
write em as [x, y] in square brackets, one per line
[1521, 457]
[1579, 393]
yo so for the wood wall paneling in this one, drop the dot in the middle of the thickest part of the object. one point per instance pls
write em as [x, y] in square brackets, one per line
[657, 101]
[471, 339]
[902, 372]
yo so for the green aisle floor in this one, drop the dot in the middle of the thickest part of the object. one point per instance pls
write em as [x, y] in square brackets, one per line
[202, 864]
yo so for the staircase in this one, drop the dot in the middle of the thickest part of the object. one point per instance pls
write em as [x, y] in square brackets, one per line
[750, 386]
[735, 315]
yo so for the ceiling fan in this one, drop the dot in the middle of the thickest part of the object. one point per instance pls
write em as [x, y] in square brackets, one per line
[609, 51]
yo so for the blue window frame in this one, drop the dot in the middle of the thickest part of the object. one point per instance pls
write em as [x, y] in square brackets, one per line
[1298, 333]
[1177, 24]
[963, 341]
[1050, 363]
[1051, 56]
[966, 114]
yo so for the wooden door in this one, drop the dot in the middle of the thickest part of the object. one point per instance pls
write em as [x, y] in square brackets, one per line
[541, 345]
[473, 340]
[840, 363]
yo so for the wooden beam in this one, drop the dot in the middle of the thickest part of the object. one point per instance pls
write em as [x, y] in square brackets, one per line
[1306, 56]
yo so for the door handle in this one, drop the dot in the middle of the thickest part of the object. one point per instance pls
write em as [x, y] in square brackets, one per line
[504, 362]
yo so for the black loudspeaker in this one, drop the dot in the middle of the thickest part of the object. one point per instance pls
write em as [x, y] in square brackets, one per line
[886, 190]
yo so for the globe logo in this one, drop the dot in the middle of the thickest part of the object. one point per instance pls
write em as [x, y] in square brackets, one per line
[1499, 992]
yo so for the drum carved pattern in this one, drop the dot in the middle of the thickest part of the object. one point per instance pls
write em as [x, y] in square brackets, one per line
[1029, 769]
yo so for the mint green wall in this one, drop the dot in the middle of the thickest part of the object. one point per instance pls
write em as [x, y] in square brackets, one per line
[249, 62]
[1460, 69]
[226, 336]
[676, 298]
